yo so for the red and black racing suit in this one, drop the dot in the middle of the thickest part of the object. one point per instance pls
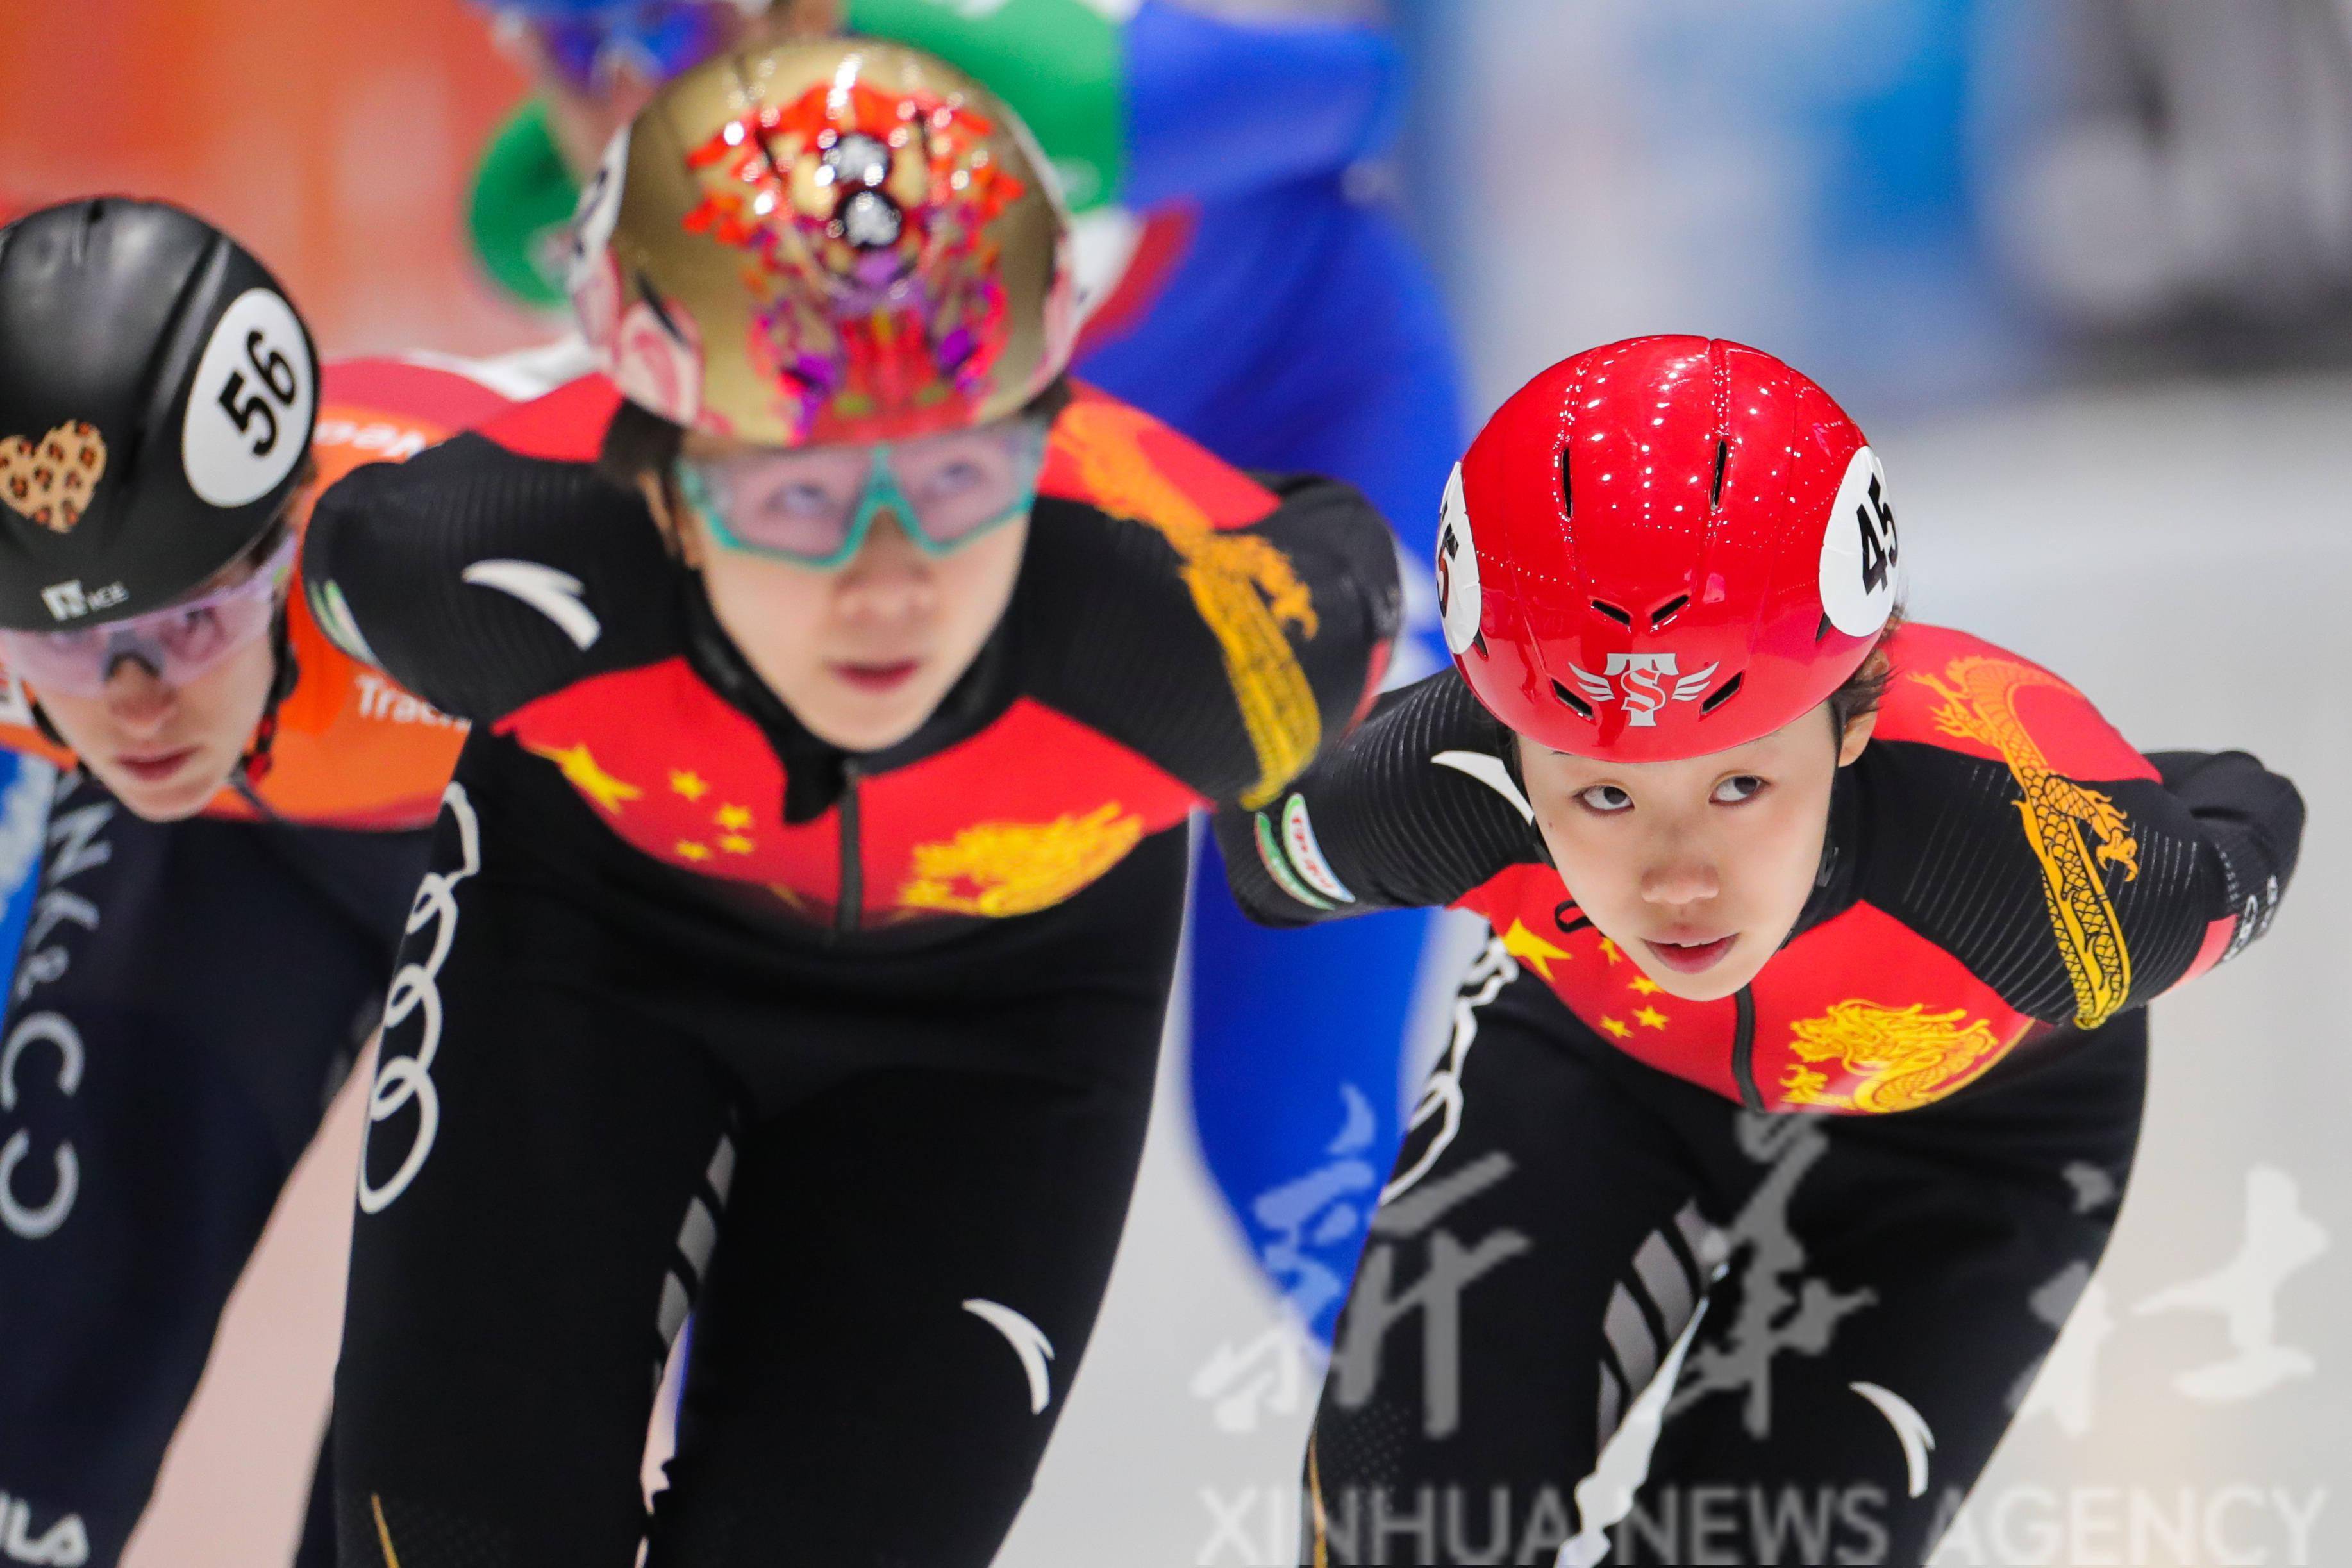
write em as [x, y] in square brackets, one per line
[848, 1054]
[2004, 883]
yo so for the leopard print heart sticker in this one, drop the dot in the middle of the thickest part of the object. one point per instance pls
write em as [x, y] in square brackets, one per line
[50, 482]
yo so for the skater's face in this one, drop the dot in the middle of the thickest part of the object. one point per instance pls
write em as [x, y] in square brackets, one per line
[1695, 870]
[863, 651]
[594, 75]
[166, 748]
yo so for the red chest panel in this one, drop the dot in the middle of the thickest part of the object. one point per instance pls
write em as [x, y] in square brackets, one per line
[1015, 819]
[1860, 1014]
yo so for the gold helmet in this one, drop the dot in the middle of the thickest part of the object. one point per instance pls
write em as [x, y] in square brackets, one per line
[825, 240]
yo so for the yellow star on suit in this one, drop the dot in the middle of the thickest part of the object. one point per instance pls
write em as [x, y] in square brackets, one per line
[1532, 950]
[579, 770]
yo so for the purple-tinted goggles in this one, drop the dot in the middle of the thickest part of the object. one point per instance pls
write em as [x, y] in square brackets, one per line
[176, 644]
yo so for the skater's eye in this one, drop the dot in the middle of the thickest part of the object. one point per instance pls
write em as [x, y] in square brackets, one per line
[803, 500]
[195, 634]
[1738, 787]
[1606, 799]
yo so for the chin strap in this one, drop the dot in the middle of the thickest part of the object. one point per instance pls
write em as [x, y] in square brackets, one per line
[48, 731]
[288, 673]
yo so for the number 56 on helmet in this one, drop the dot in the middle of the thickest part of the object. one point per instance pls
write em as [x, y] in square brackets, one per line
[1663, 548]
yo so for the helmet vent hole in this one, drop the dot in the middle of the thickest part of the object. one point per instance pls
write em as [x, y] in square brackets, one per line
[1824, 629]
[1721, 695]
[1574, 703]
[1668, 611]
[1722, 458]
[1567, 490]
[1614, 613]
[1478, 641]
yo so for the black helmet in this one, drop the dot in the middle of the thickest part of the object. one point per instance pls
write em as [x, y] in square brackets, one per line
[157, 393]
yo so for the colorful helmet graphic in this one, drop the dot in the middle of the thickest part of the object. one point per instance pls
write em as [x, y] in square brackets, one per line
[1663, 548]
[825, 240]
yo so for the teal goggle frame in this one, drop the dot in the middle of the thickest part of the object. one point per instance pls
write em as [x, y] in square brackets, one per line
[882, 493]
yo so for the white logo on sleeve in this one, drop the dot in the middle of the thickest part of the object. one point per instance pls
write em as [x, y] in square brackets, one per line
[333, 614]
[251, 406]
[1307, 852]
[1028, 1341]
[553, 594]
[1489, 770]
[1645, 683]
[1458, 597]
[1861, 558]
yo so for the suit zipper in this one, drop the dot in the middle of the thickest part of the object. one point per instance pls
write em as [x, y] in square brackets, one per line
[1743, 1050]
[847, 911]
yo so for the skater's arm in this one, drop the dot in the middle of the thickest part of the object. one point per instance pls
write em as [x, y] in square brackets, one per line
[1228, 627]
[480, 578]
[2251, 820]
[1420, 806]
[2072, 874]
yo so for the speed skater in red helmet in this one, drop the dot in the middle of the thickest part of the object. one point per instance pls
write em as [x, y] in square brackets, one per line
[1750, 845]
[1655, 560]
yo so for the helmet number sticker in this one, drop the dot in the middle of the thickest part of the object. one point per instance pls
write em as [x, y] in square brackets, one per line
[1861, 555]
[277, 378]
[599, 212]
[1458, 597]
[591, 274]
[251, 405]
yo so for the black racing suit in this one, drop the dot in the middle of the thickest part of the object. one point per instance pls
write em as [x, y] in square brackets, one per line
[849, 1055]
[1846, 1211]
[189, 998]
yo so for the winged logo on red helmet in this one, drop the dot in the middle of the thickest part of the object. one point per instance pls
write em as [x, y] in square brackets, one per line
[1641, 674]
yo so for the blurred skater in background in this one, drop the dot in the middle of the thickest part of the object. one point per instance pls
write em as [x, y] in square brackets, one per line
[240, 816]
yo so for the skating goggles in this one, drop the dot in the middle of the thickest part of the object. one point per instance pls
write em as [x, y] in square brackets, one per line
[814, 506]
[658, 39]
[177, 644]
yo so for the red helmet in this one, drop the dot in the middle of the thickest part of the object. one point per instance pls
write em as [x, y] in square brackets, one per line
[1663, 548]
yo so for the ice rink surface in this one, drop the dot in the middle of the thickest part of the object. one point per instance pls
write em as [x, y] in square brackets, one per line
[2184, 555]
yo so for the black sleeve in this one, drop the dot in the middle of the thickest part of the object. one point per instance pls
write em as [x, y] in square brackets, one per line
[1230, 657]
[2089, 897]
[2254, 820]
[480, 579]
[1417, 807]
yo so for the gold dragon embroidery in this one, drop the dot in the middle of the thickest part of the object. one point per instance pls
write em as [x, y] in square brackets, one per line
[1003, 869]
[1244, 588]
[1979, 704]
[1898, 1058]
